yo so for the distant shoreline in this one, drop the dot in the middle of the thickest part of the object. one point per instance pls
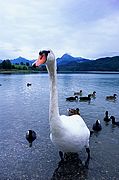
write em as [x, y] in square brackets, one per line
[59, 72]
[88, 72]
[18, 72]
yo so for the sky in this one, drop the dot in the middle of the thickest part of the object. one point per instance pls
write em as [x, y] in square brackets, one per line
[81, 28]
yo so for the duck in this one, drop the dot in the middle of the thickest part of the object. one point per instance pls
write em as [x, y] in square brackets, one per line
[106, 118]
[28, 84]
[113, 121]
[93, 95]
[97, 126]
[78, 93]
[67, 133]
[30, 136]
[72, 98]
[86, 98]
[73, 111]
[111, 97]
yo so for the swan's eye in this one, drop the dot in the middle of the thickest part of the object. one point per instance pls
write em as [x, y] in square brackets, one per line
[40, 53]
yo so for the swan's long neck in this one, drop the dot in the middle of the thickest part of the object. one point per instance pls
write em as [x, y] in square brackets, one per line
[53, 109]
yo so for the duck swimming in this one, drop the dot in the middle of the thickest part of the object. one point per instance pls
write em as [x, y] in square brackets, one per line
[86, 98]
[30, 136]
[111, 97]
[72, 98]
[113, 121]
[97, 126]
[73, 111]
[67, 133]
[29, 84]
[93, 95]
[106, 118]
[78, 93]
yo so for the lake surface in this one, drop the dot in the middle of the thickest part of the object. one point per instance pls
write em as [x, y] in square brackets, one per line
[23, 108]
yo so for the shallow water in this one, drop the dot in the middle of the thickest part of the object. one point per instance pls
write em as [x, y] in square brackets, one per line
[23, 108]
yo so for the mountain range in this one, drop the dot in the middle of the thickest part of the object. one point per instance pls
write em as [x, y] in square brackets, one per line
[101, 64]
[67, 59]
[20, 60]
[75, 64]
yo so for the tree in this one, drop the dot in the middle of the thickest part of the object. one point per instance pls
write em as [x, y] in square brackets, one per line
[21, 63]
[25, 67]
[6, 64]
[27, 63]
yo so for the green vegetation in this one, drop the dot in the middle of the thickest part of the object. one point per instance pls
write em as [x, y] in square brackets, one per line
[7, 67]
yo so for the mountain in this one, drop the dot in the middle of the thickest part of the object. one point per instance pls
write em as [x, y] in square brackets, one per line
[20, 60]
[68, 63]
[101, 64]
[66, 59]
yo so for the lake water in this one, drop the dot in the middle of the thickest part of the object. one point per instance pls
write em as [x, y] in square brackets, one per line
[23, 108]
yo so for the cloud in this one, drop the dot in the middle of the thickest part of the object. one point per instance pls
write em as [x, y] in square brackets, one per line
[84, 28]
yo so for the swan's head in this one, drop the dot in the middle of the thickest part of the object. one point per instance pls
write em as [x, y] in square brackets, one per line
[45, 56]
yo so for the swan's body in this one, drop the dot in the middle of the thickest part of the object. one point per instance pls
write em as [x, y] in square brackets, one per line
[72, 135]
[68, 133]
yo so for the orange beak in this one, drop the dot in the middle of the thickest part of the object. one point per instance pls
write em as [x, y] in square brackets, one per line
[41, 60]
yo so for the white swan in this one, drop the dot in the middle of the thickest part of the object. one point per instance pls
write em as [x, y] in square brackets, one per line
[68, 133]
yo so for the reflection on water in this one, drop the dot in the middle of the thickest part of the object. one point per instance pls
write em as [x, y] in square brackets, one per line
[72, 168]
[25, 107]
